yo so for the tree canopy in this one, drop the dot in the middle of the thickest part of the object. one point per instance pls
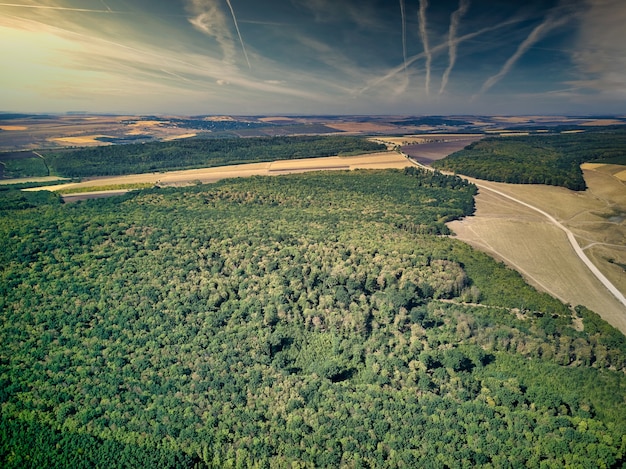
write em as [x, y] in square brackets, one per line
[313, 320]
[538, 159]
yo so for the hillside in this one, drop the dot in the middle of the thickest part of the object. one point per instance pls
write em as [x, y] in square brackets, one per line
[313, 320]
[538, 159]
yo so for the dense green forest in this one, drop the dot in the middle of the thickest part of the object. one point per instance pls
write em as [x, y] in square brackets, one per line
[538, 159]
[194, 153]
[313, 320]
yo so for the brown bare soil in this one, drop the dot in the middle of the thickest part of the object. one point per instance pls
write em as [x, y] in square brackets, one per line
[528, 242]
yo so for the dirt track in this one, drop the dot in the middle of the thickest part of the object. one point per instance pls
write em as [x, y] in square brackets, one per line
[509, 225]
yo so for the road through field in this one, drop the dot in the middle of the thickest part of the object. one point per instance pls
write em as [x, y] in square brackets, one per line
[540, 247]
[579, 252]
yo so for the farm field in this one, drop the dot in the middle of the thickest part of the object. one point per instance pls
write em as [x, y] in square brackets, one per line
[527, 241]
[383, 160]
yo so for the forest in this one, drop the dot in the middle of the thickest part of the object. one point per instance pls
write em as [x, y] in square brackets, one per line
[538, 159]
[196, 152]
[301, 321]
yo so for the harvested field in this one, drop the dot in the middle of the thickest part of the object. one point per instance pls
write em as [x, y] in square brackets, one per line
[85, 140]
[178, 137]
[601, 122]
[426, 153]
[33, 180]
[530, 243]
[206, 175]
[362, 127]
[13, 127]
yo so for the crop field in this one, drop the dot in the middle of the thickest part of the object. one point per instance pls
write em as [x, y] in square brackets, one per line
[540, 251]
[83, 141]
[362, 127]
[383, 160]
[13, 128]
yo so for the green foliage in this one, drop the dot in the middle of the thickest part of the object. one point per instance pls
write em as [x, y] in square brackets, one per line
[309, 320]
[12, 199]
[23, 167]
[194, 153]
[538, 159]
[25, 444]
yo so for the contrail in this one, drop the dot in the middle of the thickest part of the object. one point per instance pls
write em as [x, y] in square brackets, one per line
[424, 35]
[411, 60]
[403, 13]
[106, 6]
[243, 46]
[549, 23]
[44, 7]
[455, 19]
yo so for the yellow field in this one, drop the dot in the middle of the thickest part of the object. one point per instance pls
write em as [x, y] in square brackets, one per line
[13, 127]
[147, 123]
[31, 179]
[621, 175]
[591, 165]
[528, 242]
[365, 127]
[381, 160]
[83, 140]
[601, 122]
[178, 137]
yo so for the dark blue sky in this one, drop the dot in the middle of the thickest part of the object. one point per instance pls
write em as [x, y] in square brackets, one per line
[314, 56]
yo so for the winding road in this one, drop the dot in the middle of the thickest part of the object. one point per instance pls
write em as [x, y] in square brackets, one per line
[570, 236]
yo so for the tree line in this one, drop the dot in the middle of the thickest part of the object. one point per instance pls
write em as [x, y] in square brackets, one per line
[197, 152]
[538, 159]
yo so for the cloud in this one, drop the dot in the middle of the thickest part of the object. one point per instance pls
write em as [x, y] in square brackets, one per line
[599, 50]
[56, 7]
[455, 19]
[434, 51]
[209, 18]
[423, 26]
[243, 46]
[553, 20]
[139, 64]
[403, 17]
[361, 13]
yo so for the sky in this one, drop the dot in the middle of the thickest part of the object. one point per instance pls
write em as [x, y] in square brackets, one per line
[252, 57]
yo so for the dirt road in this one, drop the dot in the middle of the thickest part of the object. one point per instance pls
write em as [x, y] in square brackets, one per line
[579, 252]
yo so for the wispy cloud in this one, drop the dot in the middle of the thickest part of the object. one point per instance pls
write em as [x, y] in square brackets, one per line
[243, 46]
[599, 51]
[57, 8]
[455, 19]
[363, 14]
[552, 21]
[434, 51]
[424, 35]
[140, 63]
[403, 15]
[106, 6]
[209, 18]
